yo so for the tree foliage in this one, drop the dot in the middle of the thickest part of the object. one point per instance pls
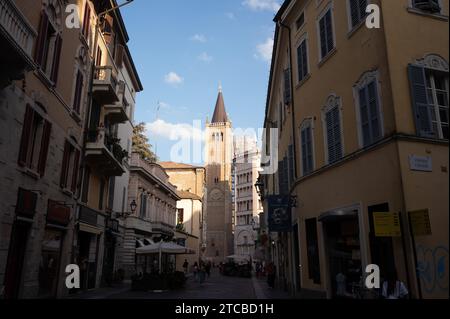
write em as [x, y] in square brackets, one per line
[141, 144]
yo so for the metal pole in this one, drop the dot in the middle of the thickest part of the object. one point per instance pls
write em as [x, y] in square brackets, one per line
[413, 240]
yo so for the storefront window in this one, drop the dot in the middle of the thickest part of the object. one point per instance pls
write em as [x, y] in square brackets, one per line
[49, 265]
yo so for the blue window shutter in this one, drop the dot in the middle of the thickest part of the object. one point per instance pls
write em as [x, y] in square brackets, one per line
[329, 31]
[337, 133]
[287, 86]
[291, 165]
[309, 150]
[323, 37]
[364, 114]
[375, 121]
[421, 106]
[330, 137]
[304, 152]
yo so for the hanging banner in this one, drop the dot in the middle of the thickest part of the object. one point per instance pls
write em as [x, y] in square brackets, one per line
[279, 214]
[387, 224]
[420, 222]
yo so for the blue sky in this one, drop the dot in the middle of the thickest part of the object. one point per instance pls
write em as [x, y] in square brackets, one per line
[183, 49]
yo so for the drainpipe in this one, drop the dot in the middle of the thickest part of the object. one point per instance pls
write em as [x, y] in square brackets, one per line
[292, 96]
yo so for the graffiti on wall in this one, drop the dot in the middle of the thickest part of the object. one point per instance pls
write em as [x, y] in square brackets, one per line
[432, 268]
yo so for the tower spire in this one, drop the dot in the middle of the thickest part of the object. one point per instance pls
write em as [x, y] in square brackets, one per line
[220, 87]
[220, 114]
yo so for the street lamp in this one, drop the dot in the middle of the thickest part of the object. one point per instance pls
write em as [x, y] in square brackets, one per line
[124, 215]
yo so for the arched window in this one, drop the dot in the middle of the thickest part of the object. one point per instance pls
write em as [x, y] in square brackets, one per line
[49, 41]
[332, 125]
[79, 80]
[429, 83]
[367, 94]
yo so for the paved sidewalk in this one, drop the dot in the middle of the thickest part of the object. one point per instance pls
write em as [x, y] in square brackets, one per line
[263, 291]
[102, 293]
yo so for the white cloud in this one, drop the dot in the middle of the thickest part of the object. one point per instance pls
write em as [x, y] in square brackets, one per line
[205, 57]
[262, 5]
[264, 50]
[163, 105]
[173, 78]
[230, 15]
[198, 38]
[175, 131]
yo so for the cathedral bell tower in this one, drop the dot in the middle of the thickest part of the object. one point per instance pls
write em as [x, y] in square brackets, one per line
[219, 154]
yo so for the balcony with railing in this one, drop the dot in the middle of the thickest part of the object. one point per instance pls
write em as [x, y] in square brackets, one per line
[105, 89]
[118, 112]
[105, 153]
[17, 39]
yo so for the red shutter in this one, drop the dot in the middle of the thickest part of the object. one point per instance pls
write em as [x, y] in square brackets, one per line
[56, 59]
[26, 133]
[75, 171]
[42, 38]
[44, 147]
[65, 164]
[86, 21]
[78, 91]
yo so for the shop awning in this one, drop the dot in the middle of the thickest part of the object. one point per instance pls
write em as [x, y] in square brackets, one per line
[164, 248]
[90, 229]
[335, 215]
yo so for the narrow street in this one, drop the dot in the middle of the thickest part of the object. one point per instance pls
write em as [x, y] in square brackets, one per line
[216, 287]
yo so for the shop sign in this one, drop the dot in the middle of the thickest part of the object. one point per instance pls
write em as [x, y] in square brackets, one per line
[420, 222]
[387, 224]
[26, 203]
[279, 214]
[420, 163]
[58, 214]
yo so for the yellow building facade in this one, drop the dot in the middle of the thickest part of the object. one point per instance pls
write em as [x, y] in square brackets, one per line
[362, 118]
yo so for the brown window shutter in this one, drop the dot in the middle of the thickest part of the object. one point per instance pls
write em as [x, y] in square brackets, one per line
[26, 132]
[44, 147]
[56, 59]
[87, 20]
[42, 37]
[119, 55]
[78, 92]
[75, 171]
[65, 164]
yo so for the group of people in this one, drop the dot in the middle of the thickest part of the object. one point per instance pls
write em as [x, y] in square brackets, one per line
[200, 270]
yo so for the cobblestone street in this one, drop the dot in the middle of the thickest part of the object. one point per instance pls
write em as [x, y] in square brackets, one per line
[216, 287]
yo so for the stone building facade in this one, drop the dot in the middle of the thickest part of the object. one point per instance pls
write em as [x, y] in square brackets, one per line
[154, 218]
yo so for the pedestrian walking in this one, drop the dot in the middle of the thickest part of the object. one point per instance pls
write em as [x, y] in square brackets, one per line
[271, 271]
[195, 271]
[202, 273]
[185, 266]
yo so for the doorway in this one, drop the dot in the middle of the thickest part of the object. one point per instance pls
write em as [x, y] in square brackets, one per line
[342, 240]
[88, 260]
[16, 258]
[296, 265]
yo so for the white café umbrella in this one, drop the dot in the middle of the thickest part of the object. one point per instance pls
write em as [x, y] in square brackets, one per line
[169, 248]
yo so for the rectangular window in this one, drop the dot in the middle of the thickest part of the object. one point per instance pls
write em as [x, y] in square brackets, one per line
[302, 60]
[143, 210]
[326, 34]
[87, 20]
[333, 135]
[312, 243]
[307, 150]
[101, 196]
[287, 86]
[180, 216]
[357, 11]
[370, 114]
[86, 180]
[430, 99]
[69, 167]
[35, 141]
[78, 92]
[432, 6]
[300, 21]
[48, 48]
